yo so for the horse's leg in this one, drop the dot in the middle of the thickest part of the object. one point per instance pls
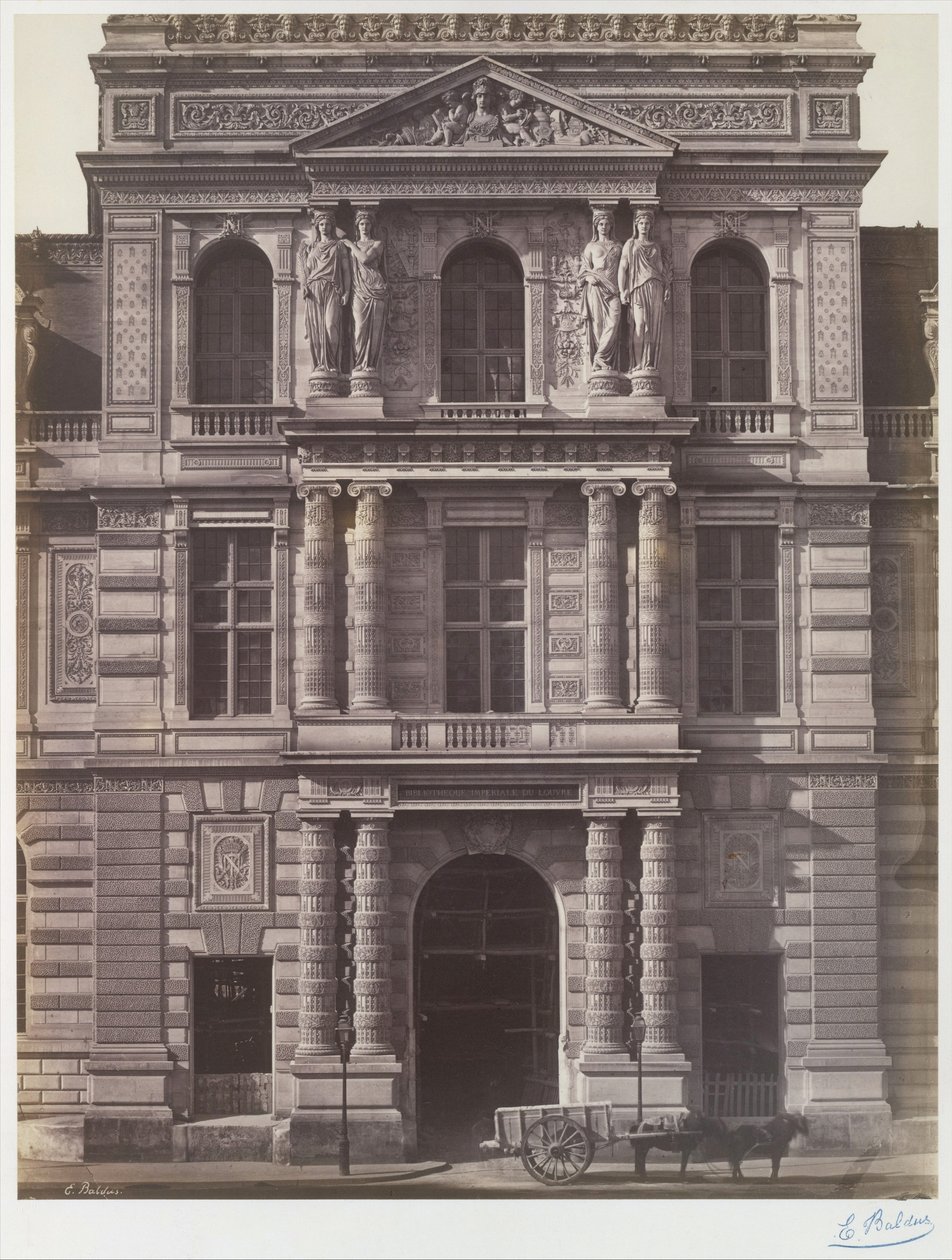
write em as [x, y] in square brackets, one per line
[641, 1156]
[686, 1149]
[775, 1166]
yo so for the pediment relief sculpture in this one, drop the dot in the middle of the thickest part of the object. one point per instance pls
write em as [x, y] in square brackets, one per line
[484, 105]
[487, 114]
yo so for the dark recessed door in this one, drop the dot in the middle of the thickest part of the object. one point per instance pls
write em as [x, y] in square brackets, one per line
[232, 1005]
[487, 998]
[740, 1034]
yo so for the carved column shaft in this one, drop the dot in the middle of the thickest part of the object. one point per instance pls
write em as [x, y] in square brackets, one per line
[603, 691]
[319, 649]
[654, 617]
[604, 984]
[370, 682]
[372, 938]
[318, 949]
[659, 941]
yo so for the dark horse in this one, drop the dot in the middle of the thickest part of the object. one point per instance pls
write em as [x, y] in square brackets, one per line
[682, 1133]
[771, 1139]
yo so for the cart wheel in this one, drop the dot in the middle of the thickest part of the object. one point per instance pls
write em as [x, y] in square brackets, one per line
[556, 1151]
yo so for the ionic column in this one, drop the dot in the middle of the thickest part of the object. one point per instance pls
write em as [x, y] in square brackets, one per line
[603, 940]
[370, 682]
[654, 617]
[318, 949]
[372, 940]
[603, 690]
[319, 654]
[659, 943]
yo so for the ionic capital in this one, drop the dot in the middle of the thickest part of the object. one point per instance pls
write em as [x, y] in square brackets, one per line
[642, 487]
[591, 487]
[312, 489]
[357, 488]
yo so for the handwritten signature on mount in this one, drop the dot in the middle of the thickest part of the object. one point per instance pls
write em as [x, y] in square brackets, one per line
[891, 1227]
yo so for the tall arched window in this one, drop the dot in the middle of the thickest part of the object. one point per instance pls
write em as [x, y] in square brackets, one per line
[482, 326]
[233, 305]
[729, 327]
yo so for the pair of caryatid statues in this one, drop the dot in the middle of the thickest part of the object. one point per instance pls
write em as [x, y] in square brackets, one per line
[615, 277]
[345, 285]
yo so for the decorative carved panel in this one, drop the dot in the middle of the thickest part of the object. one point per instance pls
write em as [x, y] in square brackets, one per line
[131, 321]
[232, 860]
[740, 860]
[833, 336]
[767, 115]
[261, 116]
[72, 624]
[892, 585]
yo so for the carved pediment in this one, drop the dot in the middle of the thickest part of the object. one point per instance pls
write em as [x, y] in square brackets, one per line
[483, 106]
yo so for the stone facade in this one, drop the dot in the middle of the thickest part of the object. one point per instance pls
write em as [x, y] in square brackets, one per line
[246, 622]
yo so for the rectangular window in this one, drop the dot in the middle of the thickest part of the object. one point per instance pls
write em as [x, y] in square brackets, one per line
[232, 622]
[485, 607]
[737, 619]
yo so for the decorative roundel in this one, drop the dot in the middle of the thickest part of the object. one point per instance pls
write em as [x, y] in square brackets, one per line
[79, 623]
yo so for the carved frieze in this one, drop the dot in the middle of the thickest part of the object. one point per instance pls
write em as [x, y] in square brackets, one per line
[129, 516]
[559, 28]
[265, 116]
[764, 115]
[417, 451]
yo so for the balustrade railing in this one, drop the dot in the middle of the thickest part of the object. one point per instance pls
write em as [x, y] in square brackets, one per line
[64, 426]
[225, 422]
[909, 423]
[481, 735]
[414, 735]
[728, 418]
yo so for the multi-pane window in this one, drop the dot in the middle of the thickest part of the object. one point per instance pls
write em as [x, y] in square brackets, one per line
[233, 306]
[737, 619]
[21, 940]
[485, 620]
[231, 622]
[728, 327]
[482, 327]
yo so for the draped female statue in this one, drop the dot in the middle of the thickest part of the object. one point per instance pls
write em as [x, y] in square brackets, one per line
[645, 287]
[601, 300]
[371, 294]
[325, 263]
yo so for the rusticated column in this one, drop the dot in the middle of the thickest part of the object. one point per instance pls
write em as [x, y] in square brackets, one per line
[603, 939]
[659, 943]
[372, 937]
[318, 949]
[654, 616]
[370, 682]
[319, 654]
[603, 691]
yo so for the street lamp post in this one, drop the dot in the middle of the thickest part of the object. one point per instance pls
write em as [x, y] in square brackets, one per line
[636, 1038]
[345, 1040]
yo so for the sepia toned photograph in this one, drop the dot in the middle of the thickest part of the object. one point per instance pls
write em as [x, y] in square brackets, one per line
[476, 624]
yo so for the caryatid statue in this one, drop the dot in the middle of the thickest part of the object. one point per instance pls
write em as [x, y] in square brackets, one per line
[601, 300]
[645, 287]
[370, 302]
[325, 264]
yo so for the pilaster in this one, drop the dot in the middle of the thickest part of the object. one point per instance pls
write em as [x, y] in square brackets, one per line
[604, 1016]
[318, 949]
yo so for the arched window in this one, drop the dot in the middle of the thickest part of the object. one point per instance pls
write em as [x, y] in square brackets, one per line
[729, 327]
[233, 305]
[482, 327]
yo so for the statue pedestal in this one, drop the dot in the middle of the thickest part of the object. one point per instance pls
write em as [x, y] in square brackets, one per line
[324, 385]
[647, 394]
[607, 395]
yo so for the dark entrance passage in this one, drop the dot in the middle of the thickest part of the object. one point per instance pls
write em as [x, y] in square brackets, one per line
[232, 1047]
[740, 1034]
[486, 935]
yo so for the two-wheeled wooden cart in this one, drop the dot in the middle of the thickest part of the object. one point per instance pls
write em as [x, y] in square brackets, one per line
[558, 1143]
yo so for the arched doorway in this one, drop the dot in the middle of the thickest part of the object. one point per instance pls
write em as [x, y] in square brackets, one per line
[487, 998]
